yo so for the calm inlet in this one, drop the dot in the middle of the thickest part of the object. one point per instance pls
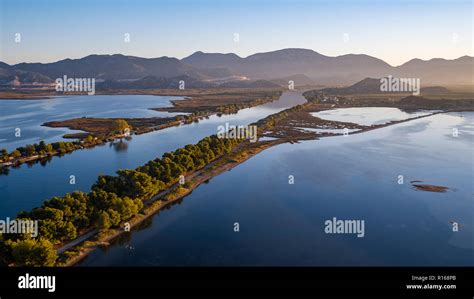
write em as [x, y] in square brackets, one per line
[283, 225]
[28, 186]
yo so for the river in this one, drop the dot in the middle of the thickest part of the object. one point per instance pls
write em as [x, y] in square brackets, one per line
[28, 186]
[354, 178]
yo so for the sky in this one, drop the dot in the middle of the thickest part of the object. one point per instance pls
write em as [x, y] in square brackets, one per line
[395, 31]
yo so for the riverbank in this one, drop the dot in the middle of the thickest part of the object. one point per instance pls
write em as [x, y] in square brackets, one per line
[183, 191]
[33, 153]
[196, 106]
[42, 94]
[204, 216]
[177, 192]
[170, 196]
[204, 104]
[300, 122]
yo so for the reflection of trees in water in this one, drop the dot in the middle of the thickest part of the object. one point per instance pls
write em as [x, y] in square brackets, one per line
[124, 238]
[4, 171]
[144, 225]
[120, 145]
[45, 160]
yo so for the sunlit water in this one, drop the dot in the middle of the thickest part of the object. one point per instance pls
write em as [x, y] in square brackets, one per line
[333, 131]
[28, 186]
[368, 115]
[29, 115]
[354, 178]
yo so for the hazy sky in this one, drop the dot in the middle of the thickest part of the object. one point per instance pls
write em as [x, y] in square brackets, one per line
[395, 31]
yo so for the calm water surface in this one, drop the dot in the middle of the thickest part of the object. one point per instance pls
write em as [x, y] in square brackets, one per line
[29, 115]
[368, 115]
[353, 177]
[28, 186]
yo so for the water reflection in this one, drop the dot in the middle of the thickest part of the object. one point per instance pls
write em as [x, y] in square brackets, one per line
[87, 164]
[29, 115]
[352, 177]
[368, 115]
[120, 145]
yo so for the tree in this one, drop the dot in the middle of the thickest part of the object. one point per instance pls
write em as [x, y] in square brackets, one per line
[5, 254]
[130, 183]
[103, 221]
[33, 253]
[74, 207]
[67, 230]
[4, 155]
[41, 146]
[48, 148]
[89, 139]
[114, 217]
[120, 125]
[113, 199]
[30, 150]
[16, 154]
[128, 207]
[118, 209]
[53, 224]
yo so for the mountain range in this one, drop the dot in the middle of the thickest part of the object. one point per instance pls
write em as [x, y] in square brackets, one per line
[372, 86]
[303, 66]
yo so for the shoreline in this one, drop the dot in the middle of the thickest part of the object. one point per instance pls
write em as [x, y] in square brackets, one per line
[155, 204]
[140, 125]
[78, 249]
[199, 177]
[32, 95]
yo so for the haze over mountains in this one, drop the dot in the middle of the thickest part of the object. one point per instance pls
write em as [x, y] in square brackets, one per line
[372, 86]
[205, 69]
[340, 70]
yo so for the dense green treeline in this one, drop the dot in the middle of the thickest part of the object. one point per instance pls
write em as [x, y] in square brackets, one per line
[112, 200]
[61, 147]
[40, 148]
[234, 108]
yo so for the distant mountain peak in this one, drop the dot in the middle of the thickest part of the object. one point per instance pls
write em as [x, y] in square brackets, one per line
[310, 65]
[200, 54]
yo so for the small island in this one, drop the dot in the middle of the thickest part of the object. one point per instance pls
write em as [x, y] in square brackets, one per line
[97, 131]
[75, 224]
